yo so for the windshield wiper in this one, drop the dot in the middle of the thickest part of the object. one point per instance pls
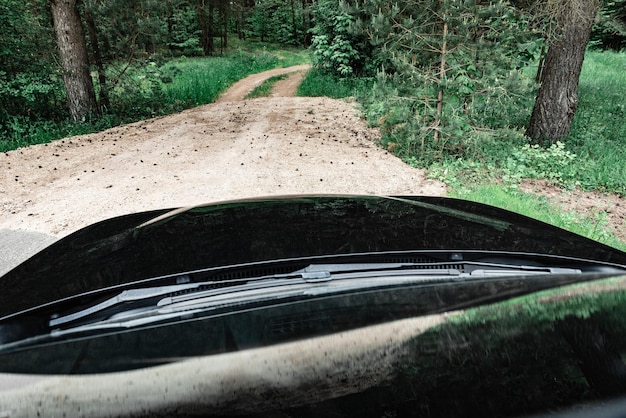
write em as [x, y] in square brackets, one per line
[164, 301]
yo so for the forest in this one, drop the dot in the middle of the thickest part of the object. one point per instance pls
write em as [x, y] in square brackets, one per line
[467, 88]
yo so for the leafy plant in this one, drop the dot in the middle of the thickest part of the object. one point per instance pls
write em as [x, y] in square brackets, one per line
[609, 31]
[533, 161]
[336, 48]
[453, 71]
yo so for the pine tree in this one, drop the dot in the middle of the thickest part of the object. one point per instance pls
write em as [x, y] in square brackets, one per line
[446, 63]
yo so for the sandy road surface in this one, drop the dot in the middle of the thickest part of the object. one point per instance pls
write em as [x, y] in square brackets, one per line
[226, 150]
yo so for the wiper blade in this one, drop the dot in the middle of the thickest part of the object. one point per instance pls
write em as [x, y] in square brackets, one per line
[136, 295]
[170, 294]
[163, 300]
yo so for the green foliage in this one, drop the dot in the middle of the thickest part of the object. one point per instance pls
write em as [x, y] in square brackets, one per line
[23, 132]
[26, 38]
[31, 87]
[533, 161]
[337, 48]
[277, 21]
[510, 161]
[609, 31]
[182, 35]
[453, 71]
[135, 28]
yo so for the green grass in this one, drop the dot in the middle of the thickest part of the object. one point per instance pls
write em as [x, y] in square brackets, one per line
[265, 88]
[599, 127]
[287, 56]
[317, 83]
[42, 132]
[202, 80]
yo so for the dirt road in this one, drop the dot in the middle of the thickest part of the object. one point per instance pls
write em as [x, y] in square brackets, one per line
[226, 150]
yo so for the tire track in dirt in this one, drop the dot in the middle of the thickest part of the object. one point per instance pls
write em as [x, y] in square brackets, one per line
[239, 90]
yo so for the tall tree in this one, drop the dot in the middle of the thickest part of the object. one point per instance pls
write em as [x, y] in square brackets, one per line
[97, 57]
[206, 35]
[557, 98]
[81, 97]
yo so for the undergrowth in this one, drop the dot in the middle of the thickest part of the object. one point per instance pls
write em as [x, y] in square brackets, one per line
[317, 83]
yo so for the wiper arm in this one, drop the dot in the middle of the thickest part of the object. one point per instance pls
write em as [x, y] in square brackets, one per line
[131, 295]
[142, 294]
[349, 276]
[463, 268]
[172, 293]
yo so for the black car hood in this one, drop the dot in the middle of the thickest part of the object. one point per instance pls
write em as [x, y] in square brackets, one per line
[146, 245]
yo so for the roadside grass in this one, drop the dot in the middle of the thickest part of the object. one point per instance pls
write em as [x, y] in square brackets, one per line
[591, 157]
[317, 83]
[41, 132]
[287, 56]
[538, 207]
[265, 88]
[599, 128]
[202, 80]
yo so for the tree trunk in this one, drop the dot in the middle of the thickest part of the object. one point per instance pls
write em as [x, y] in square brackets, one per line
[294, 27]
[442, 76]
[306, 22]
[204, 32]
[95, 46]
[81, 97]
[557, 98]
[211, 27]
[170, 26]
[224, 24]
